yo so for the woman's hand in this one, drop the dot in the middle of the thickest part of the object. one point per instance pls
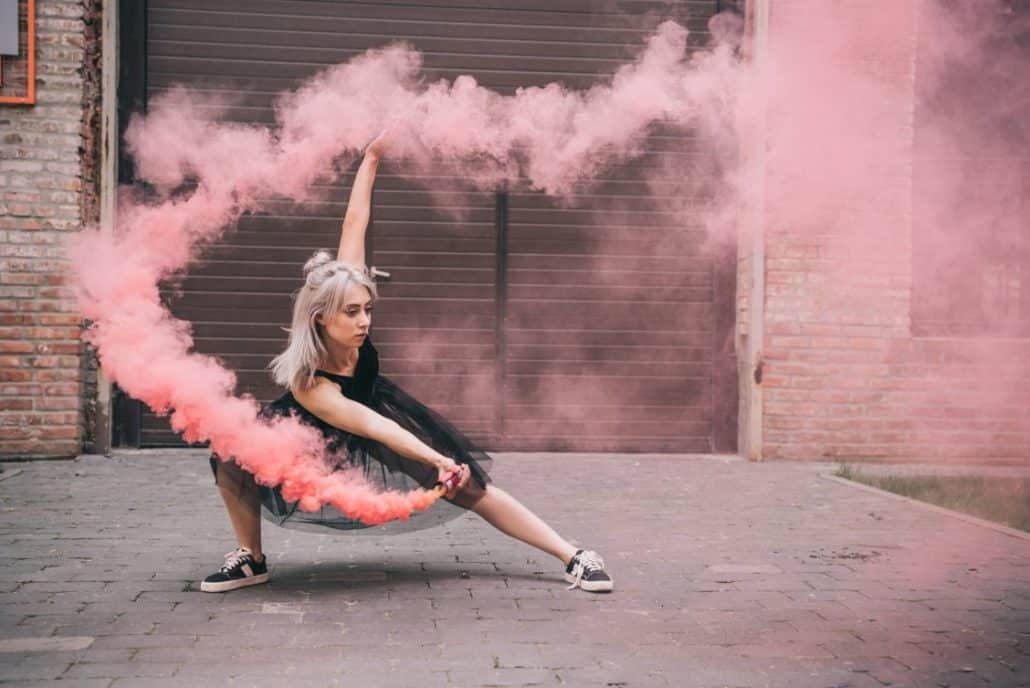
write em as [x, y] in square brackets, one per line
[447, 468]
[379, 146]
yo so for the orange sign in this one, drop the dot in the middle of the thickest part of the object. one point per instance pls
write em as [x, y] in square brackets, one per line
[18, 72]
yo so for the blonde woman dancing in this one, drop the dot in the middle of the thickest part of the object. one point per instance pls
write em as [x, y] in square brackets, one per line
[331, 370]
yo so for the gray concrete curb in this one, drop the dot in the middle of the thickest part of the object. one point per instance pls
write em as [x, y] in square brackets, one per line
[1005, 530]
[10, 473]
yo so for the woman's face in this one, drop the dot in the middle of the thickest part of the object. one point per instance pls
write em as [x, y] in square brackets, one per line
[349, 326]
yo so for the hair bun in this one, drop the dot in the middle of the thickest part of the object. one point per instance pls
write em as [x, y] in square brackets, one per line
[319, 259]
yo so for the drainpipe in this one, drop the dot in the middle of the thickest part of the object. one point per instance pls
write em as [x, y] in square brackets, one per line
[108, 187]
[753, 236]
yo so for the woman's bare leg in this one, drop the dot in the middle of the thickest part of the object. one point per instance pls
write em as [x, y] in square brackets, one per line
[511, 517]
[243, 502]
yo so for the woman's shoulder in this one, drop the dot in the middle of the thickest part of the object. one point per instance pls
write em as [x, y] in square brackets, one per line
[332, 377]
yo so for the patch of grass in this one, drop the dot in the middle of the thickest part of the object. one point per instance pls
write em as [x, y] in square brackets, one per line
[999, 499]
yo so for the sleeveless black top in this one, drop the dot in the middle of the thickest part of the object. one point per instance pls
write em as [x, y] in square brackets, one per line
[383, 466]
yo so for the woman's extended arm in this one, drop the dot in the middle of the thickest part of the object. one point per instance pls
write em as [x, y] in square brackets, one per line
[324, 400]
[359, 207]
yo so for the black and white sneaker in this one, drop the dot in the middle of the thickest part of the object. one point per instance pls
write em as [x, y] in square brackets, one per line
[239, 571]
[586, 571]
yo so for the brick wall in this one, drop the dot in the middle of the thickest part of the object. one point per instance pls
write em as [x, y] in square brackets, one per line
[844, 376]
[48, 191]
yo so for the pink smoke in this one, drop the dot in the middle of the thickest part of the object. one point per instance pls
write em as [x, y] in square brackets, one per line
[550, 137]
[147, 352]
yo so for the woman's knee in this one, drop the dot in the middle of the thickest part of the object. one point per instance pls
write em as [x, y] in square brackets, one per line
[469, 496]
[231, 478]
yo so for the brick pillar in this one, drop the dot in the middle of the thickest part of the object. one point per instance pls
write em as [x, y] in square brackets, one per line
[846, 374]
[838, 221]
[48, 182]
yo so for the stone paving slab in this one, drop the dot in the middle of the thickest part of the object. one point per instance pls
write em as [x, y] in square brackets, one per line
[729, 574]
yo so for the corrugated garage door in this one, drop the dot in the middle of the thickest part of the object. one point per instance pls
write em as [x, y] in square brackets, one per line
[532, 326]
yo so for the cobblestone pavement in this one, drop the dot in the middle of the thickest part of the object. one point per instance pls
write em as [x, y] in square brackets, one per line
[728, 574]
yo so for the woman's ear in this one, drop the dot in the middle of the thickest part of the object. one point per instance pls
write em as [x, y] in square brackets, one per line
[318, 319]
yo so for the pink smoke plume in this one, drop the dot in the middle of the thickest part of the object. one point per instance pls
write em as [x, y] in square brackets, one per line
[550, 137]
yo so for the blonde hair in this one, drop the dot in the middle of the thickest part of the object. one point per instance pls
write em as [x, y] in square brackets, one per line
[325, 283]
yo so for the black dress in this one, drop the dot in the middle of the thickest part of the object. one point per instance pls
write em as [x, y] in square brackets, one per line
[381, 465]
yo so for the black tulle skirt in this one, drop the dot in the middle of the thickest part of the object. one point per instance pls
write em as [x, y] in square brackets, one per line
[383, 467]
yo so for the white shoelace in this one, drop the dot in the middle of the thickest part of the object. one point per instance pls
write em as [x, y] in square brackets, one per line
[235, 558]
[586, 561]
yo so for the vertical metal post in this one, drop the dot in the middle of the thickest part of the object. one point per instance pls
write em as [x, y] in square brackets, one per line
[501, 313]
[726, 392]
[753, 236]
[108, 191]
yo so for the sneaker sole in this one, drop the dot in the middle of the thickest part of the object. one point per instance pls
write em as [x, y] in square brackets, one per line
[592, 586]
[225, 586]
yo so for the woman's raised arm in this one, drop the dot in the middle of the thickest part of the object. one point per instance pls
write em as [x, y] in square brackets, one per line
[359, 207]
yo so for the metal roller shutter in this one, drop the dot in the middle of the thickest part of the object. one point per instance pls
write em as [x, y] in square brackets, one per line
[605, 344]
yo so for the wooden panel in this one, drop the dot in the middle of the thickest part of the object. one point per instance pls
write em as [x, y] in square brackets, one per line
[610, 325]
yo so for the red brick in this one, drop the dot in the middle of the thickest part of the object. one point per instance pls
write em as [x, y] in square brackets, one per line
[20, 389]
[56, 293]
[57, 403]
[9, 319]
[785, 422]
[852, 356]
[821, 330]
[67, 348]
[15, 433]
[832, 396]
[52, 332]
[812, 355]
[779, 394]
[783, 328]
[60, 433]
[16, 347]
[48, 306]
[32, 447]
[62, 389]
[15, 404]
[788, 342]
[800, 409]
[9, 292]
[72, 319]
[887, 383]
[812, 379]
[50, 418]
[852, 343]
[57, 374]
[22, 278]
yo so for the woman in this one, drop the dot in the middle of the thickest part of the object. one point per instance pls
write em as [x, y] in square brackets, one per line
[331, 369]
